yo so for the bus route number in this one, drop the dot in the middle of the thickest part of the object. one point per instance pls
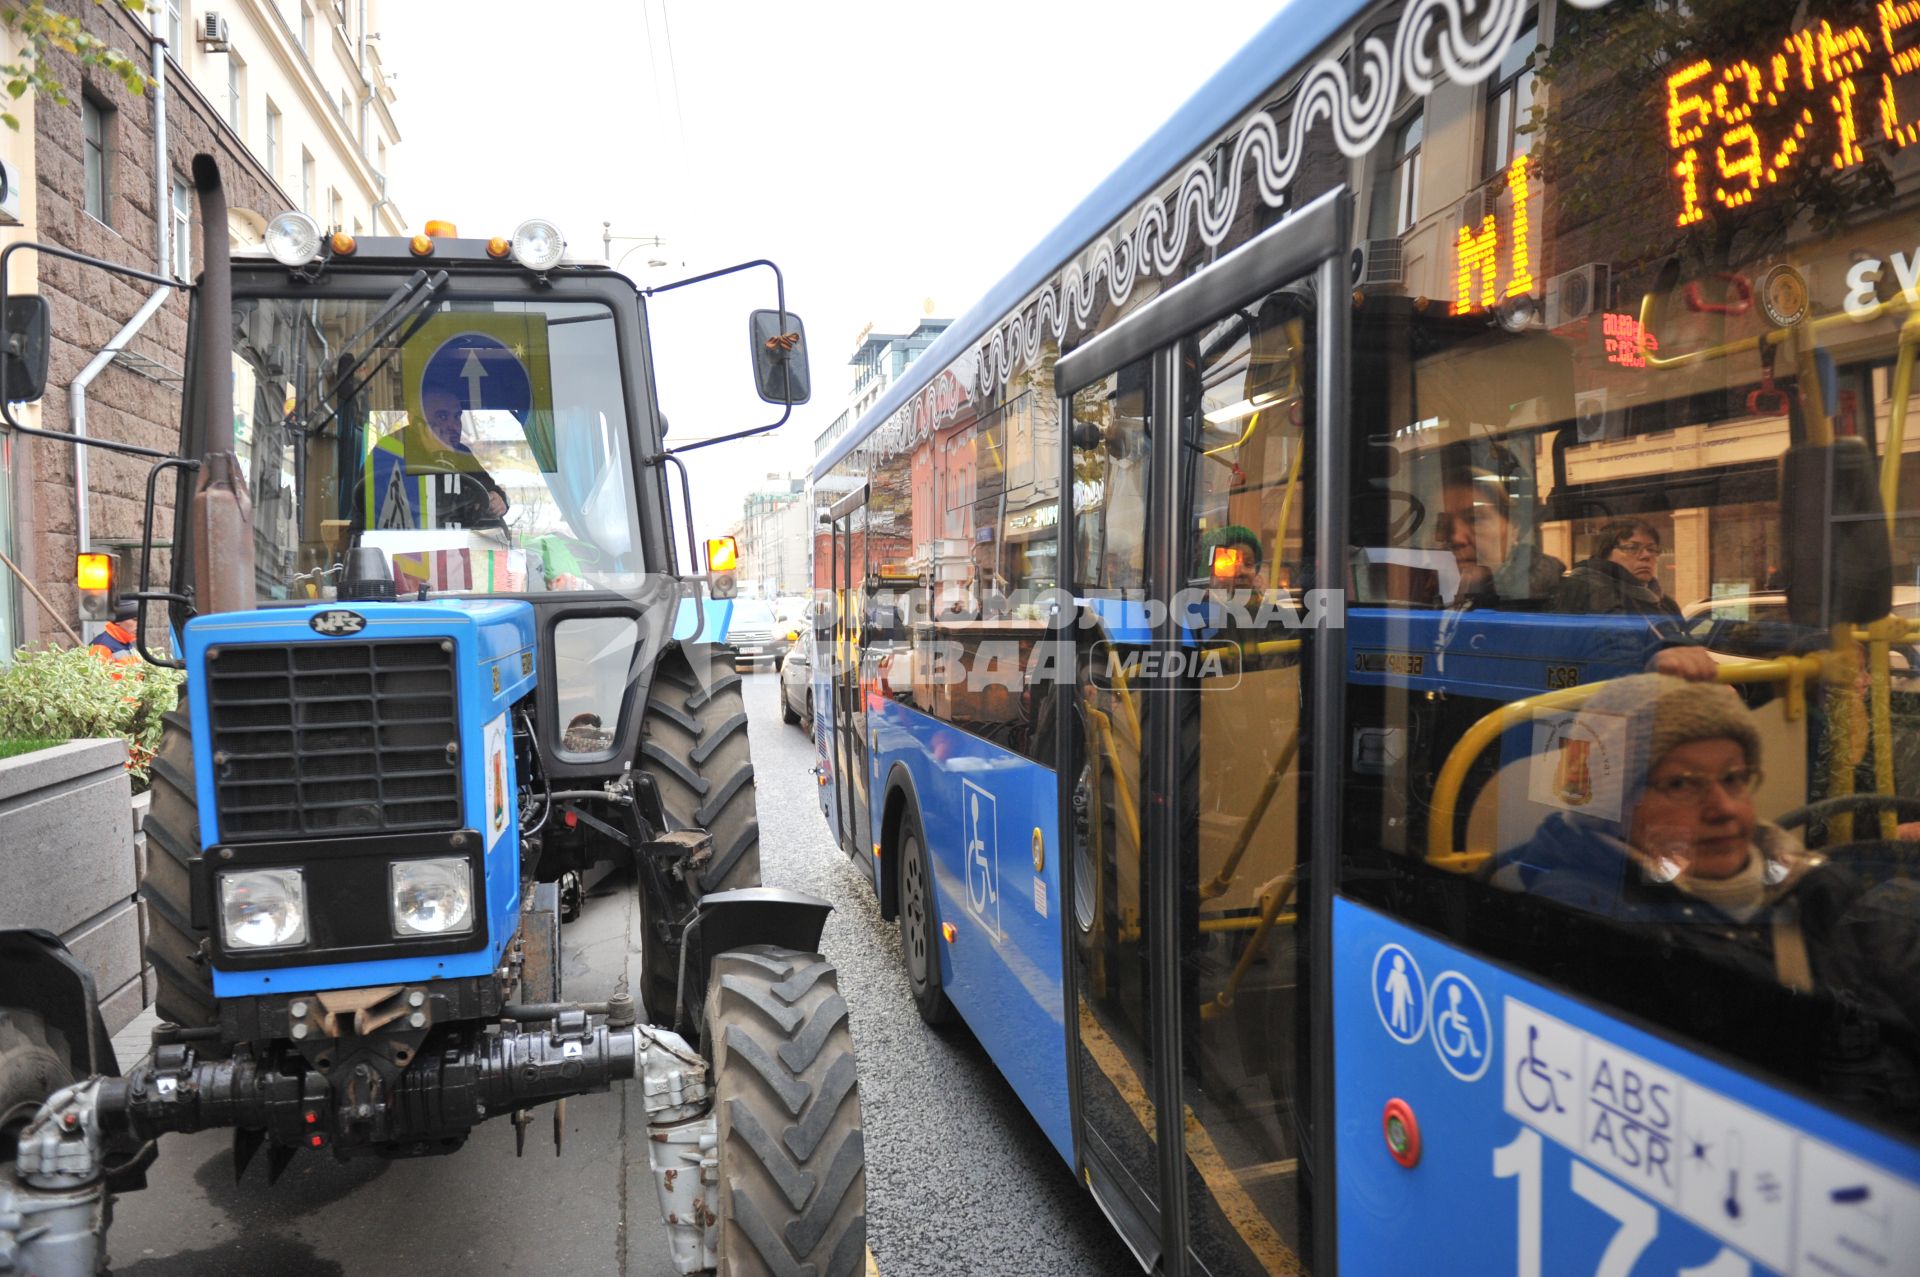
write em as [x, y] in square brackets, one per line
[1637, 1221]
[1560, 677]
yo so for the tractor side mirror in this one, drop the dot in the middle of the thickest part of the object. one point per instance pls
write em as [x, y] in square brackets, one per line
[29, 326]
[779, 356]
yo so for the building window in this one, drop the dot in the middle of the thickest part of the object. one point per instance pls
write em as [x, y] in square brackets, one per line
[176, 28]
[306, 26]
[236, 93]
[306, 180]
[1509, 95]
[96, 121]
[273, 140]
[1396, 195]
[182, 230]
[336, 211]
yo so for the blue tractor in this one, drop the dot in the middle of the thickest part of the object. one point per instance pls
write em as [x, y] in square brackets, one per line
[441, 669]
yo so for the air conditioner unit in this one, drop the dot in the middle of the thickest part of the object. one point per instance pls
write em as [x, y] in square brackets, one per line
[213, 31]
[9, 194]
[1574, 295]
[1380, 264]
[1594, 420]
[1476, 208]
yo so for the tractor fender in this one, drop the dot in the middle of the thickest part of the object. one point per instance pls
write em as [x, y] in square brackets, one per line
[760, 915]
[38, 974]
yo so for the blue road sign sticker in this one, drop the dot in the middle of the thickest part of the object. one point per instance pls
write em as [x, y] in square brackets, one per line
[1462, 1029]
[1399, 994]
[478, 373]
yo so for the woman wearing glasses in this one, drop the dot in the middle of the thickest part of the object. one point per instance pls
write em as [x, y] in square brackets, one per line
[1619, 577]
[1674, 844]
[1619, 580]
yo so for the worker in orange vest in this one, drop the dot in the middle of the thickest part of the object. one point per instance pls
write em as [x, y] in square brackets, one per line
[120, 640]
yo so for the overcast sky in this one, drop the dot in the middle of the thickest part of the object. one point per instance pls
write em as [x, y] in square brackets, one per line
[884, 155]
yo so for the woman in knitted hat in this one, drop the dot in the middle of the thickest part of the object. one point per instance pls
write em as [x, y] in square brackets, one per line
[1689, 870]
[1689, 845]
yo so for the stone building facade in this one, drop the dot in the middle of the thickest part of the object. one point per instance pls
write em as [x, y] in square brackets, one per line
[57, 498]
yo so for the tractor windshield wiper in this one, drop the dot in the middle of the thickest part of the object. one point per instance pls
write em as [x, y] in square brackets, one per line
[412, 301]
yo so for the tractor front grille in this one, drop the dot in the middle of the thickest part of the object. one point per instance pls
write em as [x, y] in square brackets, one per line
[334, 738]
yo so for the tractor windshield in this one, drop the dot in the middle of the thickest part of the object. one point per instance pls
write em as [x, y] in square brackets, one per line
[481, 445]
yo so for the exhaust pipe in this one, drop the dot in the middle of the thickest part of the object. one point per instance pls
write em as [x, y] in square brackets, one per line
[221, 515]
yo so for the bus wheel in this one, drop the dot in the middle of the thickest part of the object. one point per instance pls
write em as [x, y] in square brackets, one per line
[33, 1065]
[919, 928]
[793, 1171]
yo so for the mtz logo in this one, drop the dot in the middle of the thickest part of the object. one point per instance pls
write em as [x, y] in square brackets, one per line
[337, 622]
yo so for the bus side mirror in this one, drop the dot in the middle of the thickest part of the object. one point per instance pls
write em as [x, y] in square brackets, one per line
[779, 356]
[29, 325]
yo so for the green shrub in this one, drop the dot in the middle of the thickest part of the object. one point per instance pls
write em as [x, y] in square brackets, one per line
[11, 748]
[70, 693]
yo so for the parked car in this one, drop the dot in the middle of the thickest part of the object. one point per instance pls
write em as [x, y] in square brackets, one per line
[754, 633]
[1745, 627]
[796, 682]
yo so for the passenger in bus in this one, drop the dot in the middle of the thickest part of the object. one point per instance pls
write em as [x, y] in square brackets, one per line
[1497, 565]
[1231, 559]
[1688, 854]
[1619, 578]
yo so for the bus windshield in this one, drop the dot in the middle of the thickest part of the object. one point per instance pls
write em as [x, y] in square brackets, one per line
[482, 446]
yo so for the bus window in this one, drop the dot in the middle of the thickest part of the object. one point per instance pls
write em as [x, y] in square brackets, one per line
[1633, 517]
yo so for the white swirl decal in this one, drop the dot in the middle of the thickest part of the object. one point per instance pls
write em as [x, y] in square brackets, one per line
[1463, 40]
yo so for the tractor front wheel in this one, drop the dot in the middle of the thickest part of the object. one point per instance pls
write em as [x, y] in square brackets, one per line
[793, 1178]
[33, 1065]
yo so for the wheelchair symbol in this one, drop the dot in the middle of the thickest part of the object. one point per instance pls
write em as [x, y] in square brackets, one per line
[981, 856]
[1462, 1030]
[1534, 1080]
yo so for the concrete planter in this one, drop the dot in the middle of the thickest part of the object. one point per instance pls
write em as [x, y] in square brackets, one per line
[67, 861]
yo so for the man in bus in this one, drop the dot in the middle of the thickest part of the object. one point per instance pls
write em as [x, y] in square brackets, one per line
[1497, 566]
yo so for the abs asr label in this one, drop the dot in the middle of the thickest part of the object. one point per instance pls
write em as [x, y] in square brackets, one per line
[337, 621]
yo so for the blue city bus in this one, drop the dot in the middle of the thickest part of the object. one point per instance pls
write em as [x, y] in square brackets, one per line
[1376, 668]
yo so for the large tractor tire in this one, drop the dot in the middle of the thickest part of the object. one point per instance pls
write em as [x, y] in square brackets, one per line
[793, 1177]
[693, 743]
[176, 948]
[33, 1065]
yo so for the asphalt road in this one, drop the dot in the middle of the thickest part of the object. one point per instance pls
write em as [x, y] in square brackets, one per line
[959, 1177]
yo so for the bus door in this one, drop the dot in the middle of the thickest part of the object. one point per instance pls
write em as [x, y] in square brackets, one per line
[849, 516]
[1184, 777]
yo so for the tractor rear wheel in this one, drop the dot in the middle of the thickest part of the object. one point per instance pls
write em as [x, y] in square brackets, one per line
[793, 1177]
[694, 745]
[175, 947]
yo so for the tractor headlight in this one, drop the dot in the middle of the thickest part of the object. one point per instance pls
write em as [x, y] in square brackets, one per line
[431, 897]
[263, 908]
[538, 244]
[293, 238]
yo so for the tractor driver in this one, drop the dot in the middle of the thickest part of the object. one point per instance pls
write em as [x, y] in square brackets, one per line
[425, 476]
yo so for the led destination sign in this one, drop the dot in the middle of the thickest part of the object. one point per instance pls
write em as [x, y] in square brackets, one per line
[1737, 128]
